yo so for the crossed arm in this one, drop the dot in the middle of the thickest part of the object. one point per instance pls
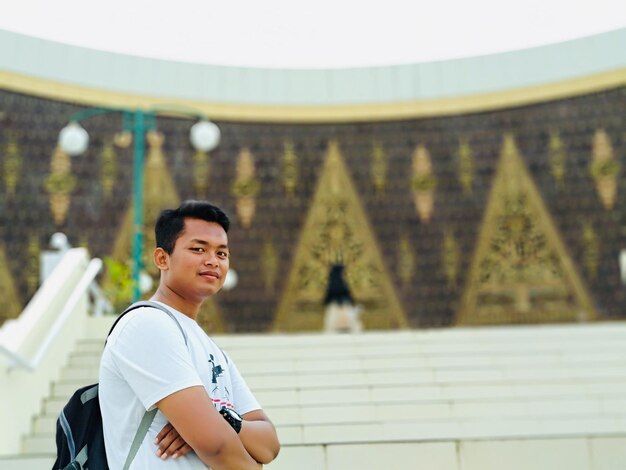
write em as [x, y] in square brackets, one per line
[259, 436]
[196, 424]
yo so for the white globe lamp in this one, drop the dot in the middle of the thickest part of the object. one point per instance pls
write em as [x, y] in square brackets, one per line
[145, 282]
[59, 242]
[73, 139]
[204, 135]
[231, 280]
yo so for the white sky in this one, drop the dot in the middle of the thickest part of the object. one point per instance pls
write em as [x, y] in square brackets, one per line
[317, 34]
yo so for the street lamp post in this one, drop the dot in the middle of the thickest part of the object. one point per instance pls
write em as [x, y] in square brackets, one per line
[73, 140]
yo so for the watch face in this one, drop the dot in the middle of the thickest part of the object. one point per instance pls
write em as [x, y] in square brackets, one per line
[232, 418]
[233, 414]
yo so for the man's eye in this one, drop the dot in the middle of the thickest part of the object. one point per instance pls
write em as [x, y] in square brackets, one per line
[198, 249]
[223, 254]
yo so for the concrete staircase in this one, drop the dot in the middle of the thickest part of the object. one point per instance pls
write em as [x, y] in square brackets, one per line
[540, 397]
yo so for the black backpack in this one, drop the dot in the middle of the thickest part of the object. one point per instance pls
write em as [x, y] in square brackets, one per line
[79, 434]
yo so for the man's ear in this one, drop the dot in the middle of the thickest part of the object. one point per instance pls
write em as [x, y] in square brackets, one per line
[161, 259]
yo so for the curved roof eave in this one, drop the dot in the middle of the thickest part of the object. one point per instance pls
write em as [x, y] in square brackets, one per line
[29, 58]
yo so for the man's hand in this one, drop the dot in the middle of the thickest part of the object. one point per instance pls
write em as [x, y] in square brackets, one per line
[170, 443]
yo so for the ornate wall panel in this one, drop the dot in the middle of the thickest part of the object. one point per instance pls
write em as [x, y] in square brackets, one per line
[521, 271]
[431, 256]
[337, 231]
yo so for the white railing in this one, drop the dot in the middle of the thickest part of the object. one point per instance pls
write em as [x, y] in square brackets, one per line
[85, 285]
[35, 345]
[17, 331]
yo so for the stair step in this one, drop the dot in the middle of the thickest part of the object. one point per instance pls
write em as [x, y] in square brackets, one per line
[86, 367]
[33, 461]
[79, 374]
[40, 443]
[569, 337]
[429, 429]
[66, 388]
[45, 423]
[409, 367]
[86, 359]
[461, 429]
[597, 384]
[297, 415]
[276, 380]
[90, 346]
[75, 377]
[418, 350]
[53, 406]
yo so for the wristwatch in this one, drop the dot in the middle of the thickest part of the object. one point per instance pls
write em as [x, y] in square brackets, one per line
[232, 418]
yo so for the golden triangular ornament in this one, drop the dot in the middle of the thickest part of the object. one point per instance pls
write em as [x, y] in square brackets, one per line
[337, 230]
[159, 192]
[11, 304]
[521, 271]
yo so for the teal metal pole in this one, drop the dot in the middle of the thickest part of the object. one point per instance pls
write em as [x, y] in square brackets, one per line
[139, 141]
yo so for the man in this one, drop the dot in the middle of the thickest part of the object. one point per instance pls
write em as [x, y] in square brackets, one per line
[148, 362]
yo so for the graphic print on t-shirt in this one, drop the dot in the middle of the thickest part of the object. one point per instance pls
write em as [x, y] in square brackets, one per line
[216, 371]
[220, 398]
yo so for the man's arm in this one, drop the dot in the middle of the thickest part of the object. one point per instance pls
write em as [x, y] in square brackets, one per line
[258, 436]
[192, 413]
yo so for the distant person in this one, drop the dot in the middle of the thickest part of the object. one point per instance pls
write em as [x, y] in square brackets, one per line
[342, 314]
[207, 416]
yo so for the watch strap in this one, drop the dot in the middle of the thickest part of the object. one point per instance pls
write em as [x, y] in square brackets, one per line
[235, 423]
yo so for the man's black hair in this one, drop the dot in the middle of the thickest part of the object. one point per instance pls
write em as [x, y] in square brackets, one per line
[171, 222]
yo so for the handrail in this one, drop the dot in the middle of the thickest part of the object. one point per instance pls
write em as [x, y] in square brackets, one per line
[101, 304]
[84, 285]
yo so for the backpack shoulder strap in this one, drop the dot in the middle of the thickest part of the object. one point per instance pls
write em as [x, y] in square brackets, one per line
[146, 421]
[148, 303]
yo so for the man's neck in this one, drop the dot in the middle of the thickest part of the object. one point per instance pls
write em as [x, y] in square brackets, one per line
[172, 299]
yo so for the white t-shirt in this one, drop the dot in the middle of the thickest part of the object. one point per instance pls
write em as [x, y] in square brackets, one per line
[145, 360]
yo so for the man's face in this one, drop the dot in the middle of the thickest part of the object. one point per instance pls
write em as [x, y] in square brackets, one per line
[199, 263]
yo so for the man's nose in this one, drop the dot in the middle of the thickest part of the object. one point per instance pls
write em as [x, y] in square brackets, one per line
[211, 259]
